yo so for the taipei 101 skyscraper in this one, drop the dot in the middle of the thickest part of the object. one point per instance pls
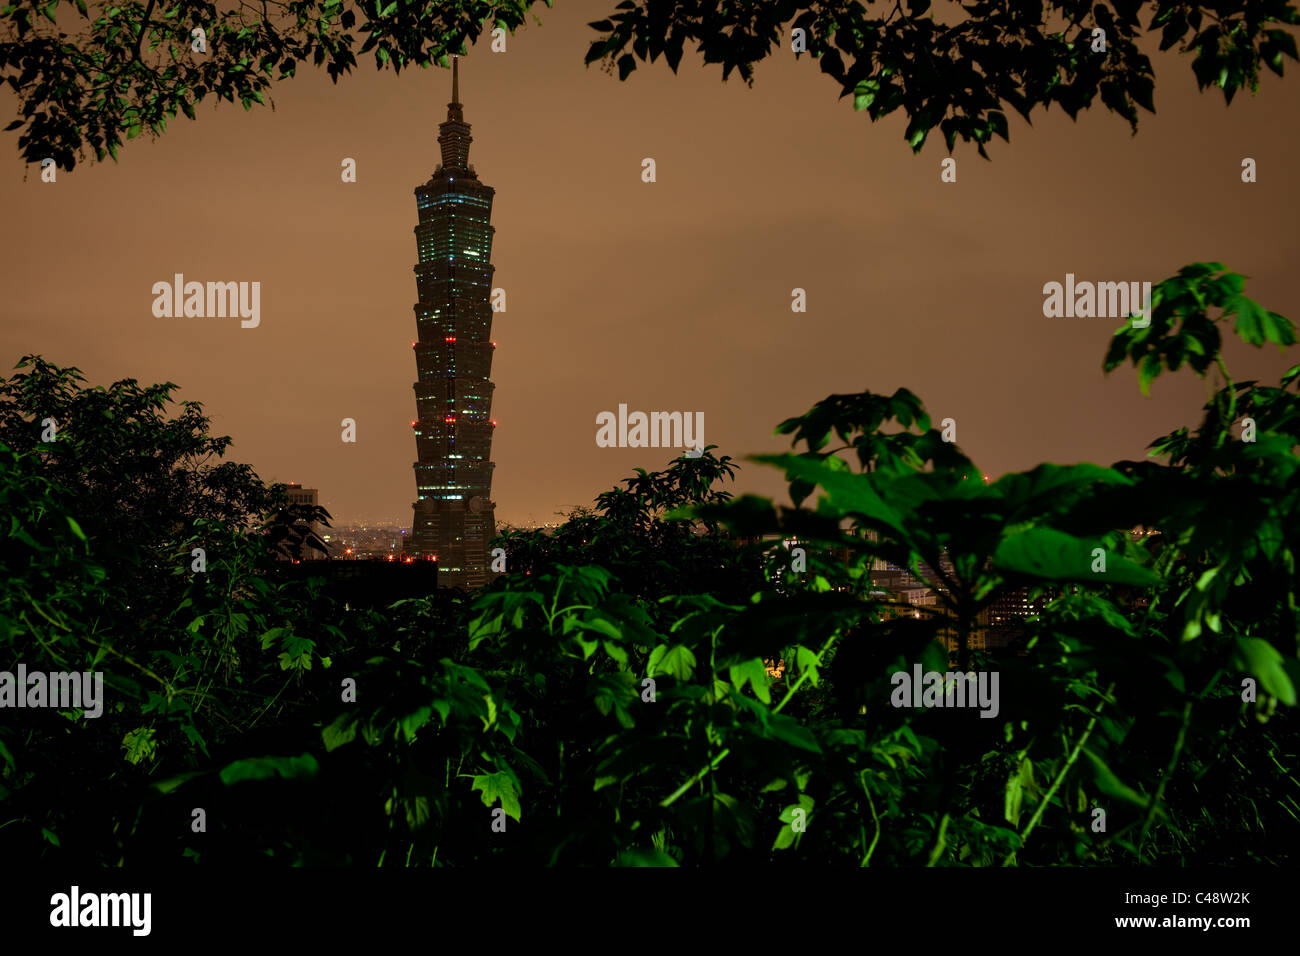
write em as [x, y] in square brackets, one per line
[454, 513]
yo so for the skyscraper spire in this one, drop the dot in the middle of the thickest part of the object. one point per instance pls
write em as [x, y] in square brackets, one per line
[453, 135]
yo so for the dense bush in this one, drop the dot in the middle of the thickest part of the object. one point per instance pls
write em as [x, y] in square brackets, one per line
[606, 701]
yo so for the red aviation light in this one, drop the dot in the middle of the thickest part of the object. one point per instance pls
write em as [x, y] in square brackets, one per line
[450, 419]
[450, 338]
[494, 423]
[413, 344]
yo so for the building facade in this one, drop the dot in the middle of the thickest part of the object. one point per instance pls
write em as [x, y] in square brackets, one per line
[454, 518]
[298, 495]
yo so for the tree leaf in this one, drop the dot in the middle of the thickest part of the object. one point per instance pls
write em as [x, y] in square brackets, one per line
[675, 659]
[1259, 658]
[498, 786]
[1110, 784]
[1055, 555]
[644, 857]
[263, 768]
[755, 673]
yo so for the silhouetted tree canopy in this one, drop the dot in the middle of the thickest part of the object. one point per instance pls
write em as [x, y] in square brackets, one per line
[89, 76]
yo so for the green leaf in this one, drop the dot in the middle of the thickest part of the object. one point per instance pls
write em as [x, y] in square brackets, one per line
[171, 783]
[1148, 371]
[412, 722]
[1262, 660]
[1021, 779]
[850, 493]
[1250, 320]
[140, 745]
[263, 768]
[612, 693]
[273, 635]
[792, 732]
[1055, 555]
[755, 673]
[498, 786]
[1110, 784]
[1277, 328]
[806, 659]
[614, 651]
[675, 659]
[788, 837]
[342, 731]
[650, 857]
[417, 811]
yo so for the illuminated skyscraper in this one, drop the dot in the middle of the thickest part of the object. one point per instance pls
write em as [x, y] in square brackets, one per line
[454, 513]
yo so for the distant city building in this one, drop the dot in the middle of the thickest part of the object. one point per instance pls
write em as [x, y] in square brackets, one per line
[902, 593]
[298, 495]
[454, 512]
[366, 542]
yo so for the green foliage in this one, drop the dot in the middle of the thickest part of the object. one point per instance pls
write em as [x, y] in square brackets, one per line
[1186, 298]
[89, 77]
[963, 72]
[263, 768]
[622, 709]
[93, 77]
[99, 576]
[642, 535]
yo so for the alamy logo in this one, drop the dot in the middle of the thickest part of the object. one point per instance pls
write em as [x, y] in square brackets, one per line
[102, 909]
[1098, 300]
[953, 689]
[215, 300]
[656, 430]
[58, 689]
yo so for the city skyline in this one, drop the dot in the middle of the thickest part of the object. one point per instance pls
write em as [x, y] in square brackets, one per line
[895, 465]
[674, 294]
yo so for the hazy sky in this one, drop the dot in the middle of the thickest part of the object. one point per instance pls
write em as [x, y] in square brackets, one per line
[666, 296]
